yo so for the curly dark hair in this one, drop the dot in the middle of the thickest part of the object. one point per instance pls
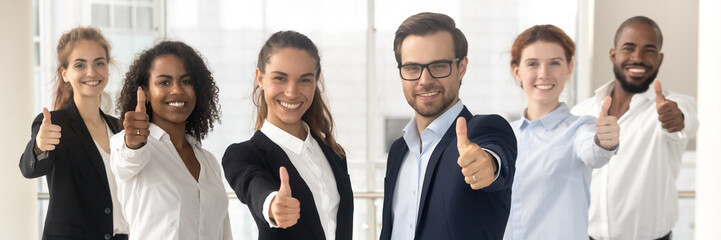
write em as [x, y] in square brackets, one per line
[207, 108]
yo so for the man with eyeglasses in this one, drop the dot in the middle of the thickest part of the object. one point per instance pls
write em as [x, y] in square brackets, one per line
[444, 180]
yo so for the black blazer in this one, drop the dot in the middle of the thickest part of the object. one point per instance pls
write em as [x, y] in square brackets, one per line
[80, 205]
[449, 208]
[251, 168]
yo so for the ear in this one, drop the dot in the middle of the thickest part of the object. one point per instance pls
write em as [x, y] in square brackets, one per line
[462, 66]
[64, 74]
[571, 64]
[515, 72]
[660, 59]
[612, 55]
[259, 78]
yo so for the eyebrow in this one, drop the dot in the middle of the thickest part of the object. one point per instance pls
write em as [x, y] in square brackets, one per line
[83, 60]
[634, 45]
[285, 74]
[434, 61]
[171, 77]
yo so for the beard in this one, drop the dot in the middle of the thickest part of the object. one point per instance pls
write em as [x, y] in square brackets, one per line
[629, 87]
[432, 109]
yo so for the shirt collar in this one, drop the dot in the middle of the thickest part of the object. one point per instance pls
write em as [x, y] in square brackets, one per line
[551, 120]
[439, 126]
[285, 139]
[157, 133]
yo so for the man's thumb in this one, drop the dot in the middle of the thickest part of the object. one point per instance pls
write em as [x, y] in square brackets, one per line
[141, 101]
[462, 134]
[284, 189]
[659, 92]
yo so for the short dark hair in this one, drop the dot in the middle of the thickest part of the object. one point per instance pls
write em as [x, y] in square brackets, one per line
[639, 20]
[207, 108]
[427, 23]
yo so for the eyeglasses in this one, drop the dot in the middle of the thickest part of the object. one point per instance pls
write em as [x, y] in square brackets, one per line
[437, 69]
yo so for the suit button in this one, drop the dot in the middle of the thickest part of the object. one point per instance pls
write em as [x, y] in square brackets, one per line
[107, 210]
[107, 236]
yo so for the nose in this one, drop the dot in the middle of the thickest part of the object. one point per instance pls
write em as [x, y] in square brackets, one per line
[92, 71]
[543, 71]
[291, 90]
[637, 55]
[175, 88]
[426, 77]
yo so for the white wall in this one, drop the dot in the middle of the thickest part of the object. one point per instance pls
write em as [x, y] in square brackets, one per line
[678, 21]
[708, 193]
[18, 205]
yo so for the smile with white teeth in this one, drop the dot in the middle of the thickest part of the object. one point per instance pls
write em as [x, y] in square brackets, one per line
[429, 94]
[544, 86]
[92, 83]
[637, 70]
[176, 104]
[290, 105]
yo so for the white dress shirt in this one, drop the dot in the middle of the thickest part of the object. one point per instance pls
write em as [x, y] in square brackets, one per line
[550, 194]
[634, 196]
[308, 159]
[407, 193]
[160, 198]
[120, 226]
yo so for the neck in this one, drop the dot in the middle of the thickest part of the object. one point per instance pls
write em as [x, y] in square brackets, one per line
[88, 108]
[295, 129]
[621, 100]
[422, 122]
[537, 110]
[176, 131]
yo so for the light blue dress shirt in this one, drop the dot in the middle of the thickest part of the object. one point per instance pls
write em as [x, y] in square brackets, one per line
[407, 194]
[550, 195]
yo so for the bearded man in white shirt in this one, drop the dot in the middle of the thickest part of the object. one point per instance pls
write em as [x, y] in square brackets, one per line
[635, 196]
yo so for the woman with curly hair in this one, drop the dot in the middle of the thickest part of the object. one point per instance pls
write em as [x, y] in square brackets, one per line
[292, 174]
[70, 145]
[169, 186]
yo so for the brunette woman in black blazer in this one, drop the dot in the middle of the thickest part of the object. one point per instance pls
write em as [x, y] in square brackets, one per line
[66, 144]
[292, 174]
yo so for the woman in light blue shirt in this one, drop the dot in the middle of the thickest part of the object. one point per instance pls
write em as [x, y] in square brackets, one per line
[556, 150]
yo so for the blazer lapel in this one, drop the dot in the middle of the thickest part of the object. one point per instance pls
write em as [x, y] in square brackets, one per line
[448, 137]
[345, 204]
[300, 190]
[87, 141]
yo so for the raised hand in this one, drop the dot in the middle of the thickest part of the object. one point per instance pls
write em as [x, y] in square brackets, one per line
[478, 166]
[607, 128]
[284, 209]
[136, 124]
[669, 114]
[48, 135]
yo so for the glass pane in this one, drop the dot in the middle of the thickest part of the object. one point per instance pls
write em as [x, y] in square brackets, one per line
[123, 17]
[100, 15]
[145, 18]
[241, 221]
[37, 54]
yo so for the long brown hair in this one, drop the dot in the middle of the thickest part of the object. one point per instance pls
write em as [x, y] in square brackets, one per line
[317, 116]
[63, 90]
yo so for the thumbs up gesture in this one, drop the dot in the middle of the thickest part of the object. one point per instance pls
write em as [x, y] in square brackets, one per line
[478, 166]
[136, 124]
[48, 135]
[284, 209]
[669, 114]
[607, 128]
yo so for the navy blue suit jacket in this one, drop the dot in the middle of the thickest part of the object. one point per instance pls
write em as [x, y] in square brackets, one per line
[80, 206]
[251, 168]
[449, 208]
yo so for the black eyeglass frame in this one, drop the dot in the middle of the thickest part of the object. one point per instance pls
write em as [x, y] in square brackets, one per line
[425, 66]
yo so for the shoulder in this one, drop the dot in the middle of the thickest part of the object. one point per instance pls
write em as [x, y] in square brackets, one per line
[680, 98]
[585, 107]
[487, 121]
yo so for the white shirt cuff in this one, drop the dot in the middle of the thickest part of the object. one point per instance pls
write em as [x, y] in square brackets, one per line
[266, 207]
[498, 160]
